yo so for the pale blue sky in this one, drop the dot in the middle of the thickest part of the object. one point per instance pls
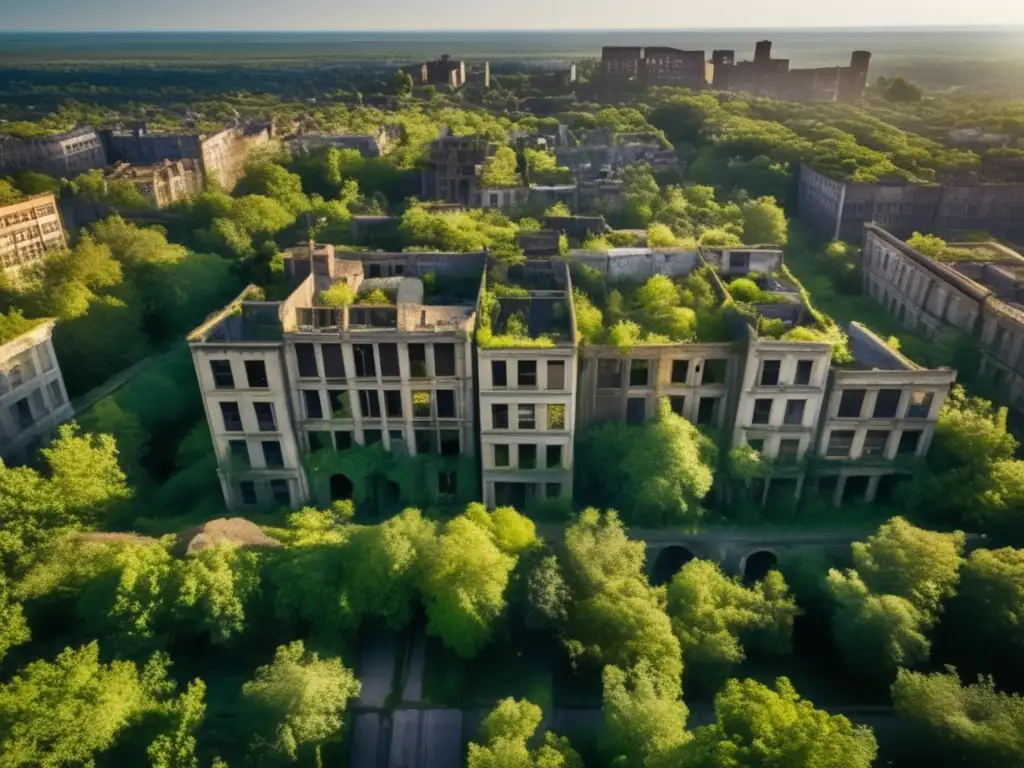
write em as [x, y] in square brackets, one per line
[327, 15]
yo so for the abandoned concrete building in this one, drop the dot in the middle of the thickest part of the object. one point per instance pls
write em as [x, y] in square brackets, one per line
[765, 76]
[527, 394]
[28, 230]
[442, 71]
[33, 399]
[836, 208]
[221, 155]
[376, 144]
[453, 167]
[162, 184]
[282, 381]
[653, 65]
[972, 288]
[62, 155]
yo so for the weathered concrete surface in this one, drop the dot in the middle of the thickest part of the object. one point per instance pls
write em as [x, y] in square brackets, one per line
[412, 692]
[376, 669]
[365, 745]
[426, 738]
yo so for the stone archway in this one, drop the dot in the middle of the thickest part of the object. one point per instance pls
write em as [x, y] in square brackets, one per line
[755, 565]
[341, 487]
[670, 559]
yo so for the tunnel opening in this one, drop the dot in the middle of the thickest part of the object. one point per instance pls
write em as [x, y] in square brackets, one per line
[757, 564]
[669, 561]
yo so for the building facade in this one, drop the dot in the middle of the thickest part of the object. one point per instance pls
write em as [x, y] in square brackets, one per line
[978, 299]
[286, 381]
[63, 155]
[28, 230]
[453, 167]
[839, 209]
[162, 184]
[33, 399]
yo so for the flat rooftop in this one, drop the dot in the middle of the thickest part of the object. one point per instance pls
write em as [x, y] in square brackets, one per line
[527, 305]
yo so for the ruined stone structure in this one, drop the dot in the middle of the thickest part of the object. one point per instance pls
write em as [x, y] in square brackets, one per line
[765, 76]
[163, 184]
[654, 65]
[839, 209]
[63, 155]
[221, 155]
[453, 165]
[33, 399]
[979, 298]
[28, 230]
[283, 380]
[442, 71]
[369, 145]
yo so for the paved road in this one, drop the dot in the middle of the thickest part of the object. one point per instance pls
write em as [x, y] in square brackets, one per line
[376, 666]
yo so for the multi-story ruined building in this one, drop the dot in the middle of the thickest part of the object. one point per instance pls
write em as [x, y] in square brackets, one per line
[444, 71]
[836, 208]
[765, 76]
[28, 230]
[974, 288]
[33, 400]
[527, 393]
[453, 167]
[285, 382]
[63, 155]
[162, 184]
[654, 65]
[376, 144]
[221, 155]
[458, 365]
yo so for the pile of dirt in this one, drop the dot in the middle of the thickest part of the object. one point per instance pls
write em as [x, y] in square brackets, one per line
[235, 530]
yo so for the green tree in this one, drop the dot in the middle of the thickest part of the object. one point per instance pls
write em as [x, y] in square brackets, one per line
[764, 222]
[500, 169]
[66, 711]
[963, 724]
[13, 627]
[713, 616]
[464, 586]
[214, 587]
[8, 193]
[764, 728]
[297, 703]
[660, 470]
[645, 719]
[403, 84]
[988, 610]
[505, 733]
[918, 565]
[175, 746]
[270, 180]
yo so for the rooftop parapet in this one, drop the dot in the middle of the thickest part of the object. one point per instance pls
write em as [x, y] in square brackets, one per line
[529, 305]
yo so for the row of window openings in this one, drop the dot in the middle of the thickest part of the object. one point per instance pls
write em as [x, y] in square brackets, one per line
[521, 495]
[526, 374]
[273, 457]
[526, 416]
[770, 370]
[527, 455]
[794, 411]
[840, 443]
[609, 372]
[24, 414]
[887, 403]
[444, 442]
[366, 362]
[25, 369]
[424, 403]
[279, 492]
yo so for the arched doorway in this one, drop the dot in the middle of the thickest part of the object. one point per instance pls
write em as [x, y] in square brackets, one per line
[341, 487]
[668, 563]
[757, 564]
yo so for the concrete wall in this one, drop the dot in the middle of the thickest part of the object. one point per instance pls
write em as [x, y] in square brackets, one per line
[30, 382]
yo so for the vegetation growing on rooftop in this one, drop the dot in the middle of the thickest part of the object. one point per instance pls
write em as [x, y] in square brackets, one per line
[543, 168]
[500, 170]
[13, 324]
[514, 330]
[940, 250]
[376, 296]
[659, 311]
[337, 296]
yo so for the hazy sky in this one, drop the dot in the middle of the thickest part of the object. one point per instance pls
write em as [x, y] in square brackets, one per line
[326, 15]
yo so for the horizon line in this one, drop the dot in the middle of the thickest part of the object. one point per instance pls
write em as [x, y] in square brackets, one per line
[884, 28]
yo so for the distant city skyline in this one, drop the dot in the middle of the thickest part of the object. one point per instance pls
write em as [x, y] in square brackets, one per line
[526, 15]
